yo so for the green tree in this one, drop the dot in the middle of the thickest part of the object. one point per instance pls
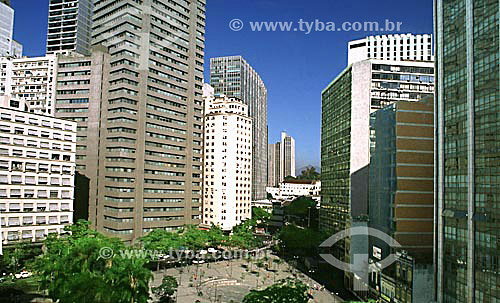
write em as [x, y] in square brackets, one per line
[81, 268]
[260, 214]
[309, 173]
[166, 290]
[161, 240]
[285, 291]
[301, 207]
[299, 241]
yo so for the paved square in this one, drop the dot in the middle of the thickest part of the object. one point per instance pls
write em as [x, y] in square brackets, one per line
[230, 281]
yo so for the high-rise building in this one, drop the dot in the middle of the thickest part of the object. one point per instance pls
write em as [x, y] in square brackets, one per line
[8, 46]
[467, 151]
[228, 163]
[70, 26]
[234, 77]
[398, 47]
[37, 166]
[287, 156]
[82, 88]
[401, 197]
[16, 49]
[150, 140]
[30, 81]
[347, 103]
[272, 165]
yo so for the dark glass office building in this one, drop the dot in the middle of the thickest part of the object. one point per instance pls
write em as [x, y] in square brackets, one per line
[467, 222]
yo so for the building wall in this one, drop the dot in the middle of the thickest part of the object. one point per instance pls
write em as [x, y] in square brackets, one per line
[467, 151]
[234, 77]
[82, 91]
[37, 167]
[228, 163]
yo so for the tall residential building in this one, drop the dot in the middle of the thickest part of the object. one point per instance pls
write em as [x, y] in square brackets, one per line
[397, 47]
[347, 103]
[401, 197]
[234, 77]
[70, 26]
[287, 156]
[16, 49]
[271, 165]
[37, 166]
[228, 163]
[274, 164]
[30, 81]
[467, 151]
[150, 139]
[8, 46]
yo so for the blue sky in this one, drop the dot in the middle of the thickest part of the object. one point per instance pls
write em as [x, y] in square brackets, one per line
[294, 66]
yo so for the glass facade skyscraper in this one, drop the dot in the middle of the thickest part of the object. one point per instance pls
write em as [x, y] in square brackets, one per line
[234, 77]
[467, 218]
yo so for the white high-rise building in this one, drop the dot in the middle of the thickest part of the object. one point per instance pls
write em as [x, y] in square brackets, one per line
[70, 26]
[30, 81]
[6, 31]
[287, 156]
[228, 162]
[37, 166]
[398, 47]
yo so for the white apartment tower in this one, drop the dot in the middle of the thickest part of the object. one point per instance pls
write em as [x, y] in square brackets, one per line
[287, 156]
[31, 82]
[37, 166]
[228, 163]
[398, 47]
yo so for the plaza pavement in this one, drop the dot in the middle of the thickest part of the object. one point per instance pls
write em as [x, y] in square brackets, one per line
[229, 281]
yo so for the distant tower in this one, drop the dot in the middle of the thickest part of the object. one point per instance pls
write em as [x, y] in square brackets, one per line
[234, 77]
[70, 26]
[287, 156]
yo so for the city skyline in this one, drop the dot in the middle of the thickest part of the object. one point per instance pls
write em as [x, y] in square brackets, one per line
[291, 96]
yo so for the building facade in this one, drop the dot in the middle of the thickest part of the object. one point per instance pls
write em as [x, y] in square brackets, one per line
[401, 193]
[81, 91]
[234, 77]
[37, 166]
[348, 101]
[30, 81]
[151, 116]
[6, 29]
[228, 163]
[274, 164]
[398, 47]
[70, 26]
[467, 151]
[287, 156]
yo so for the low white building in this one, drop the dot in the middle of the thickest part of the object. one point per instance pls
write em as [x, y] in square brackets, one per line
[37, 166]
[292, 189]
[30, 80]
[228, 162]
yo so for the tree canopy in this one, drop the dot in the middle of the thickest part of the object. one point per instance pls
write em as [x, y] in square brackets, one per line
[285, 291]
[81, 267]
